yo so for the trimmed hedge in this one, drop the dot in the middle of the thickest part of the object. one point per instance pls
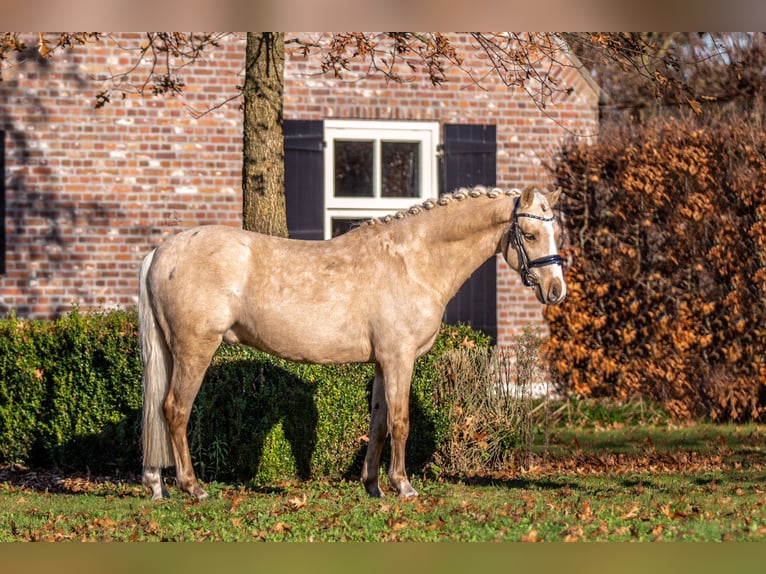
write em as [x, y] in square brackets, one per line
[70, 390]
[70, 397]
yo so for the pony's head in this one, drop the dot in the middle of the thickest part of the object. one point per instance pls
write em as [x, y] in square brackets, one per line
[531, 245]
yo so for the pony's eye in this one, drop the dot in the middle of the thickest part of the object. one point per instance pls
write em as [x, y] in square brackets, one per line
[529, 237]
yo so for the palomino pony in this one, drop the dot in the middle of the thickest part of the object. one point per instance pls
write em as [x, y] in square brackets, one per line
[376, 294]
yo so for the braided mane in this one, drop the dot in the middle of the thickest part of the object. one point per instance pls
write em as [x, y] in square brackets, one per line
[444, 200]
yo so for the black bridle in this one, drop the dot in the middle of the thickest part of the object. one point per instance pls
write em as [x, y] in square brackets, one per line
[517, 240]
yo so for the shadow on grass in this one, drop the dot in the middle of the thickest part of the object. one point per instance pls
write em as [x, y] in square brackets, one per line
[541, 483]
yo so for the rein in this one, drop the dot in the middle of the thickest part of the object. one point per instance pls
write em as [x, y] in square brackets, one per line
[525, 265]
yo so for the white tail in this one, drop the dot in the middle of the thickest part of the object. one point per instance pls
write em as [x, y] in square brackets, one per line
[156, 359]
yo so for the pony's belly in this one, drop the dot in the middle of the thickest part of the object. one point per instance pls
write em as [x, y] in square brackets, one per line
[307, 346]
[321, 354]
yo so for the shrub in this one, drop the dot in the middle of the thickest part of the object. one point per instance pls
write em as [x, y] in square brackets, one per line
[68, 389]
[21, 389]
[278, 418]
[70, 397]
[667, 287]
[487, 394]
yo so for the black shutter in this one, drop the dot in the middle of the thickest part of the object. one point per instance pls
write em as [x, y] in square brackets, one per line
[304, 178]
[2, 202]
[469, 159]
[469, 156]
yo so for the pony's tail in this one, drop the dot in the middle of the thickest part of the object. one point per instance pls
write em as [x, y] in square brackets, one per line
[155, 436]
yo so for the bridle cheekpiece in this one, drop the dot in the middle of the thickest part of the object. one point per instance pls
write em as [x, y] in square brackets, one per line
[517, 240]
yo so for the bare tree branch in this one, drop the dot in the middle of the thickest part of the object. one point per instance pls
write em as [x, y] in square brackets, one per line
[642, 69]
[47, 45]
[167, 53]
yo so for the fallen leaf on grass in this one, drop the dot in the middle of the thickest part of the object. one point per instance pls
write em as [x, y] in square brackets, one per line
[281, 527]
[151, 526]
[632, 512]
[586, 514]
[297, 502]
[235, 502]
[602, 529]
[530, 537]
[399, 525]
[574, 533]
[436, 525]
[675, 514]
[103, 523]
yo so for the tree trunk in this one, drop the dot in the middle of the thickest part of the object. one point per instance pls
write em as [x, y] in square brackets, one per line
[263, 168]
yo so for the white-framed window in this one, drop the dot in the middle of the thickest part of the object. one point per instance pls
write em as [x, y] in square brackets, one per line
[374, 168]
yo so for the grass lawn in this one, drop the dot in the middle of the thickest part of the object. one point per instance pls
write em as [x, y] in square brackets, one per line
[697, 482]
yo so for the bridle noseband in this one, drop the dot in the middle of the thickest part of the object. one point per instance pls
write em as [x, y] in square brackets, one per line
[517, 240]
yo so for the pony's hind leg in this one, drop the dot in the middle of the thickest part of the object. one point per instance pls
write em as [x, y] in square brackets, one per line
[377, 436]
[152, 481]
[188, 372]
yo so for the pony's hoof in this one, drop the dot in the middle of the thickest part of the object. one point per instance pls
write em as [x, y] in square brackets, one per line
[161, 494]
[152, 481]
[406, 491]
[196, 491]
[158, 491]
[373, 489]
[199, 493]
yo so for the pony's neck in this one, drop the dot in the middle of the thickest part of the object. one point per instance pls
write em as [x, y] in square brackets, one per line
[459, 238]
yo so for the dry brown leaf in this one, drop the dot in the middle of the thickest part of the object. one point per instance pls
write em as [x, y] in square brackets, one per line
[632, 512]
[297, 502]
[530, 537]
[281, 527]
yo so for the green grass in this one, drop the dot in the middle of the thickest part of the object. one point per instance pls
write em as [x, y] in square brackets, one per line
[698, 482]
[744, 441]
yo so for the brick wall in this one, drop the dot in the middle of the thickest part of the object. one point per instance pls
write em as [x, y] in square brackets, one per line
[90, 191]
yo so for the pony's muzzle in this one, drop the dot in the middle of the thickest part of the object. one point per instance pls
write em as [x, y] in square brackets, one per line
[549, 292]
[557, 290]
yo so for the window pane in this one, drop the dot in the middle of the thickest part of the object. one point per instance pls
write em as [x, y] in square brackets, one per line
[401, 162]
[341, 225]
[353, 168]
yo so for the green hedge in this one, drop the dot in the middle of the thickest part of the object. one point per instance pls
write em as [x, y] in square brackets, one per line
[70, 397]
[70, 390]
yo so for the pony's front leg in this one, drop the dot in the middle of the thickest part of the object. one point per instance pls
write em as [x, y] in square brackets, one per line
[398, 378]
[377, 436]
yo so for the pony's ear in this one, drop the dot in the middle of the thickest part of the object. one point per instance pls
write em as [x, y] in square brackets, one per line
[527, 197]
[554, 197]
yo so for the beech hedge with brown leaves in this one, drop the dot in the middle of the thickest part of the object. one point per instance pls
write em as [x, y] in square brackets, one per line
[666, 239]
